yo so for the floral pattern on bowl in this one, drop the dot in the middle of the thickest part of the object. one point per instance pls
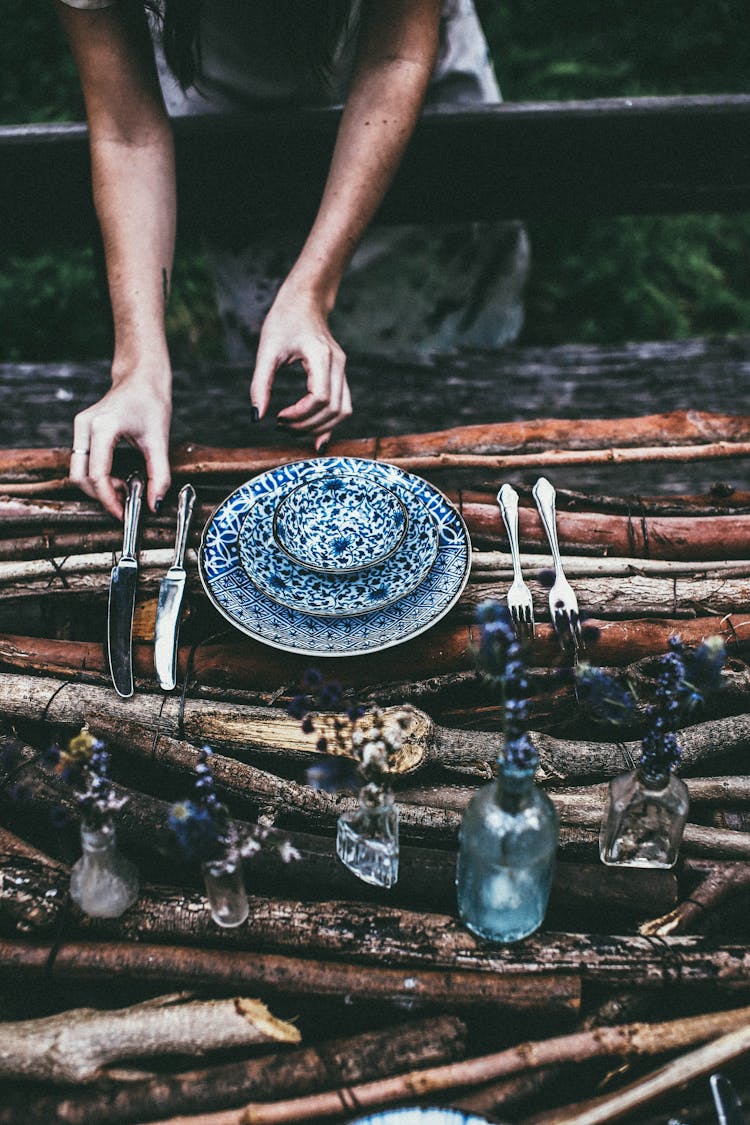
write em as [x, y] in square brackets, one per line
[340, 523]
[335, 595]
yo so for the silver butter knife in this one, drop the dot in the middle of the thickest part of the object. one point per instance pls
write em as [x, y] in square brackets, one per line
[171, 593]
[122, 587]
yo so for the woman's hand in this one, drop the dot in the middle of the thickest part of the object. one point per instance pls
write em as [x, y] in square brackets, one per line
[136, 409]
[296, 328]
[132, 168]
[396, 52]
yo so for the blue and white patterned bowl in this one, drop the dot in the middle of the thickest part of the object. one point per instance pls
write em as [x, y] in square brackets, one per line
[234, 594]
[340, 523]
[337, 595]
[421, 1115]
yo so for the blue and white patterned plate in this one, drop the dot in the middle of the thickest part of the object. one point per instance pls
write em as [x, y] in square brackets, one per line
[252, 611]
[340, 523]
[421, 1115]
[333, 595]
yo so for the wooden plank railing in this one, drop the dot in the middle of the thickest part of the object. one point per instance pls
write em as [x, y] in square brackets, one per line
[522, 160]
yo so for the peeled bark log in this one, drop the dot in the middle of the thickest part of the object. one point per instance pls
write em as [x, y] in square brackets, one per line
[356, 1058]
[58, 569]
[490, 566]
[629, 1041]
[250, 729]
[76, 1046]
[632, 596]
[259, 729]
[686, 595]
[294, 976]
[51, 544]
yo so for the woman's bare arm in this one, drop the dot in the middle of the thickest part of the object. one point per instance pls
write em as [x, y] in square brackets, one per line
[398, 43]
[134, 192]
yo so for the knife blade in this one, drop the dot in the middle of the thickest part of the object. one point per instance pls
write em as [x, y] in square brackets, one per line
[122, 587]
[171, 592]
[728, 1105]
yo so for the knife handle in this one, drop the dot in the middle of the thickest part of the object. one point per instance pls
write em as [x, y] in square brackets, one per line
[185, 504]
[132, 515]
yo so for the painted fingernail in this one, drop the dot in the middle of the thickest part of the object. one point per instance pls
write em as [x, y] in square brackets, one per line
[254, 413]
[157, 504]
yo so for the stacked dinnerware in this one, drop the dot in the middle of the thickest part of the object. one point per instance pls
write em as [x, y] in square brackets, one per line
[335, 556]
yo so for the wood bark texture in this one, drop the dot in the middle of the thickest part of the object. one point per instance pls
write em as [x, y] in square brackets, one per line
[76, 1046]
[356, 1058]
[628, 1041]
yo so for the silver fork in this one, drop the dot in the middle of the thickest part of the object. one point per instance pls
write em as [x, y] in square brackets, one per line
[520, 604]
[563, 604]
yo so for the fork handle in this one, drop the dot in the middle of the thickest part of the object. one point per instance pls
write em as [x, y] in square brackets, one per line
[544, 496]
[507, 498]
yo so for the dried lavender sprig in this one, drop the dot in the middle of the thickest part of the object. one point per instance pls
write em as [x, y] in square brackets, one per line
[500, 659]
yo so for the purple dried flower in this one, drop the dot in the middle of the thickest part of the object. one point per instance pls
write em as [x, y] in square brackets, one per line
[329, 697]
[299, 706]
[312, 679]
[500, 658]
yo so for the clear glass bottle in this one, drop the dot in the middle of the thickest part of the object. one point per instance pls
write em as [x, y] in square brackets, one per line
[644, 820]
[367, 839]
[102, 883]
[225, 891]
[506, 857]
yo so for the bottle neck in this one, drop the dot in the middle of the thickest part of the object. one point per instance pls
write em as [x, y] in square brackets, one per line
[97, 840]
[514, 788]
[654, 781]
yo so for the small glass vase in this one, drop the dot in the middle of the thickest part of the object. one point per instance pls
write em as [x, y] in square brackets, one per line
[506, 858]
[367, 839]
[225, 891]
[644, 820]
[102, 883]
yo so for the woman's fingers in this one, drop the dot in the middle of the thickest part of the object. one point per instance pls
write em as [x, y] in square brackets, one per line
[107, 490]
[323, 434]
[159, 475]
[317, 359]
[311, 414]
[267, 363]
[328, 400]
[96, 434]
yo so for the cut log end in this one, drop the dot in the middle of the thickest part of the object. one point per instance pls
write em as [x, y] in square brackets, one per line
[268, 1026]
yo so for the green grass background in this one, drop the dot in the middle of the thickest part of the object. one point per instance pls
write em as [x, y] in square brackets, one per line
[592, 281]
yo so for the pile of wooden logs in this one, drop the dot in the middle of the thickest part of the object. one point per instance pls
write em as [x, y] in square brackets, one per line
[375, 997]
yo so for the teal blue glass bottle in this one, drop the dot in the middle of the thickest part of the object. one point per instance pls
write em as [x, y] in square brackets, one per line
[506, 859]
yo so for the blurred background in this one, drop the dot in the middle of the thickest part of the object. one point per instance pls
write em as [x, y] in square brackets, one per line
[593, 281]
